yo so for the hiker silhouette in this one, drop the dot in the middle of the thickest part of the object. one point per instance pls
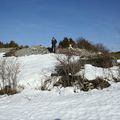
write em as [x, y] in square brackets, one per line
[53, 42]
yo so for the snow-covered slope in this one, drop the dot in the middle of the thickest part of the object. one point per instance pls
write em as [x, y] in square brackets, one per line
[64, 104]
[35, 68]
[37, 105]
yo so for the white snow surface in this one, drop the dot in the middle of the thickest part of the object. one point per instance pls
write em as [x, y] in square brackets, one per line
[118, 61]
[64, 104]
[91, 72]
[35, 69]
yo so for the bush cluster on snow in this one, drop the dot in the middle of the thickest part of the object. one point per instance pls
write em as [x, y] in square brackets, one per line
[9, 69]
[67, 68]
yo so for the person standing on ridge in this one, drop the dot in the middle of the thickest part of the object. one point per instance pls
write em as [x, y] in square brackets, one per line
[53, 42]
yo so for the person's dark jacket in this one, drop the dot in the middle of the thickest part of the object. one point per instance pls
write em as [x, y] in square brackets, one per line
[54, 42]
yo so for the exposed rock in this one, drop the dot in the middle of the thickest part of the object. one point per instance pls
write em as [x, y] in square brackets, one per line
[80, 83]
[98, 83]
[76, 51]
[32, 50]
[11, 52]
[4, 50]
[26, 51]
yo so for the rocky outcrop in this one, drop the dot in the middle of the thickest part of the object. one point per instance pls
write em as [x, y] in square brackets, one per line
[32, 50]
[76, 51]
[80, 83]
[4, 50]
[26, 51]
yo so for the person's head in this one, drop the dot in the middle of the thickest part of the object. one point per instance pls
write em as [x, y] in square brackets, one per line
[53, 38]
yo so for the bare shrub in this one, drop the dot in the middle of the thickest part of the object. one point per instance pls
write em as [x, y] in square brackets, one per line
[85, 44]
[100, 47]
[67, 67]
[105, 60]
[8, 91]
[70, 64]
[9, 69]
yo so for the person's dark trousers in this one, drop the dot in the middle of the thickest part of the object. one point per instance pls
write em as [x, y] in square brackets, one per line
[53, 49]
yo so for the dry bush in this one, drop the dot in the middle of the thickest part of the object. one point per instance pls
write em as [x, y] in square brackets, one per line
[8, 91]
[85, 44]
[101, 48]
[103, 60]
[67, 67]
[80, 83]
[9, 69]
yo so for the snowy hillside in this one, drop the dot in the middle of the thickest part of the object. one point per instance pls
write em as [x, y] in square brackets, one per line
[64, 104]
[35, 68]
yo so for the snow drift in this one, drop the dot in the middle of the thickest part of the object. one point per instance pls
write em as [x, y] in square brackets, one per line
[59, 104]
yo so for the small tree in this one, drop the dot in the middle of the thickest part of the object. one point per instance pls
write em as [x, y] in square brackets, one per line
[9, 69]
[13, 44]
[66, 42]
[1, 44]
